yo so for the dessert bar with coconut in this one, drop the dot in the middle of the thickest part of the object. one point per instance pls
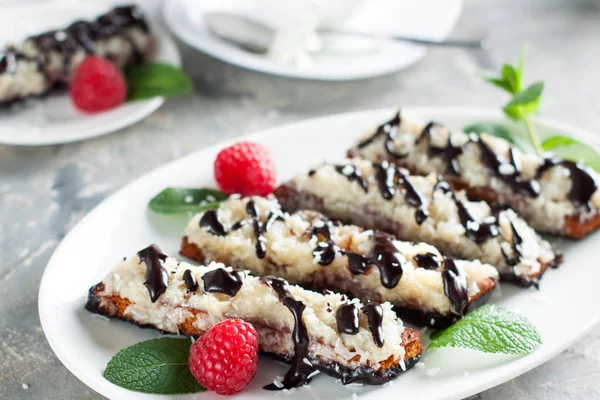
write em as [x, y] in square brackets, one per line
[553, 195]
[313, 332]
[421, 209]
[49, 59]
[307, 249]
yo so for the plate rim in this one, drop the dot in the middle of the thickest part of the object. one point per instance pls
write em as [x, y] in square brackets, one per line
[521, 365]
[164, 39]
[287, 71]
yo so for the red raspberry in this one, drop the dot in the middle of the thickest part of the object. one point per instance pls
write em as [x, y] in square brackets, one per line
[97, 85]
[245, 168]
[224, 359]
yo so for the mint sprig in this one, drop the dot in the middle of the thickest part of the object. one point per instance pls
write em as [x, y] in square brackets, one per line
[524, 102]
[149, 80]
[572, 149]
[154, 366]
[174, 200]
[490, 329]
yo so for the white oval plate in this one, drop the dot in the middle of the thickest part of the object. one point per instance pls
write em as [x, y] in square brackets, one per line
[54, 119]
[563, 309]
[431, 19]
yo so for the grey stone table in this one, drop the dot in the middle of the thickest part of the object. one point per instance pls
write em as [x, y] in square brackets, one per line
[44, 191]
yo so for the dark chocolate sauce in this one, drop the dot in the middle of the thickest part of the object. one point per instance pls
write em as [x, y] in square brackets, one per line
[511, 175]
[353, 174]
[211, 221]
[301, 368]
[385, 175]
[326, 249]
[157, 278]
[388, 259]
[190, 281]
[358, 264]
[390, 130]
[517, 247]
[374, 314]
[222, 281]
[388, 177]
[455, 286]
[311, 172]
[384, 255]
[449, 153]
[477, 231]
[583, 182]
[413, 197]
[260, 228]
[10, 57]
[347, 319]
[428, 260]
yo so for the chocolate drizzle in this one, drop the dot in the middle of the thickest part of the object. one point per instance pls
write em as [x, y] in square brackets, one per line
[301, 369]
[477, 231]
[517, 247]
[455, 286]
[390, 130]
[157, 278]
[384, 255]
[583, 182]
[427, 261]
[374, 314]
[326, 249]
[449, 153]
[388, 178]
[353, 174]
[509, 173]
[222, 281]
[82, 34]
[190, 281]
[210, 220]
[260, 228]
[347, 318]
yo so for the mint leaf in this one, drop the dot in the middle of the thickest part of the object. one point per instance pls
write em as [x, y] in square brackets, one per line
[573, 150]
[154, 366]
[493, 129]
[490, 329]
[182, 200]
[501, 83]
[509, 74]
[149, 80]
[525, 102]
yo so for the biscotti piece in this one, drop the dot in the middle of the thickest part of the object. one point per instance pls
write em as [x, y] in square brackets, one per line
[307, 249]
[49, 60]
[553, 195]
[314, 332]
[421, 209]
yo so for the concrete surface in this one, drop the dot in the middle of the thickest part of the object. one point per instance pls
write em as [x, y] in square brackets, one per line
[44, 191]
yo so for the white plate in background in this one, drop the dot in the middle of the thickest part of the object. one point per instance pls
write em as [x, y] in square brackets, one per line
[432, 19]
[565, 307]
[54, 119]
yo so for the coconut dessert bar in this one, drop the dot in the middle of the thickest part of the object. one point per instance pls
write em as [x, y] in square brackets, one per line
[313, 332]
[553, 195]
[307, 249]
[421, 209]
[48, 60]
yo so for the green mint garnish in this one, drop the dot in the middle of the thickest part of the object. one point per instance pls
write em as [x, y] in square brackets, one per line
[490, 329]
[181, 200]
[492, 129]
[154, 366]
[572, 149]
[149, 80]
[524, 102]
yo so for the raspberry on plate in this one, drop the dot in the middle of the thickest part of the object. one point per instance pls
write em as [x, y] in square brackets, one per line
[224, 359]
[245, 168]
[97, 85]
